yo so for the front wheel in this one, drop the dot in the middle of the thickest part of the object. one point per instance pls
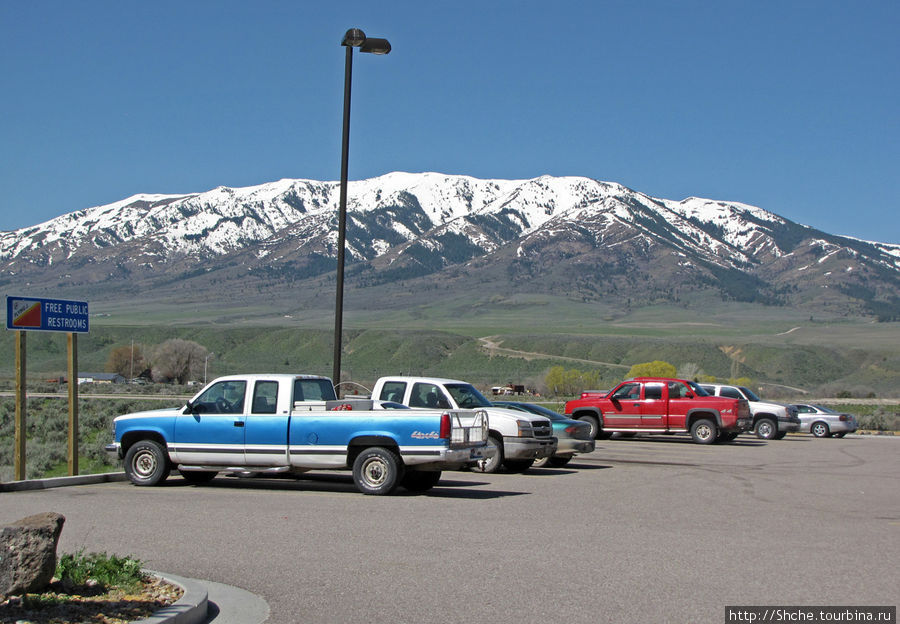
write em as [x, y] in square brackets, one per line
[820, 430]
[377, 471]
[493, 464]
[766, 429]
[704, 431]
[146, 463]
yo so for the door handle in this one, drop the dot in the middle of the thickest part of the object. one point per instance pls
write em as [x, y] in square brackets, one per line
[239, 423]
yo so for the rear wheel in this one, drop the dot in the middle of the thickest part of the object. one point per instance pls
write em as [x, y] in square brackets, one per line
[766, 429]
[146, 463]
[704, 431]
[820, 430]
[377, 471]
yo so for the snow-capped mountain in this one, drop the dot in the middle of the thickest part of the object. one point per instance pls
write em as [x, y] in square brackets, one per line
[564, 235]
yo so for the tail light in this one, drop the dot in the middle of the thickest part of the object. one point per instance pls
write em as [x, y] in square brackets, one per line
[844, 417]
[445, 425]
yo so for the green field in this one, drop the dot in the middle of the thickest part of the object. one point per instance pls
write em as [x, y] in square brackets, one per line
[779, 350]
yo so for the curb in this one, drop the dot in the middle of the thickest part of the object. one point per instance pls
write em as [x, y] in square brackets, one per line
[191, 608]
[54, 482]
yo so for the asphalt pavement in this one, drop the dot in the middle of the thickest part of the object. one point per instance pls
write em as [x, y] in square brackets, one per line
[652, 529]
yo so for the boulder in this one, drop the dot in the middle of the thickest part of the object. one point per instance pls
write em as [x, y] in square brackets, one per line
[28, 553]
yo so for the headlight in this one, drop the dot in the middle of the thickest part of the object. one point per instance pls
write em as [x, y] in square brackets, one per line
[525, 429]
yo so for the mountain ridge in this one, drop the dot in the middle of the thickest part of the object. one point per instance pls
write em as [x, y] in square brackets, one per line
[566, 235]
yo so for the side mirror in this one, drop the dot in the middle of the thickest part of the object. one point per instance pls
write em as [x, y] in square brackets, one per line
[188, 408]
[689, 395]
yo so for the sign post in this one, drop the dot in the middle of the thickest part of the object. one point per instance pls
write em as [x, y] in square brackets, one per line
[54, 315]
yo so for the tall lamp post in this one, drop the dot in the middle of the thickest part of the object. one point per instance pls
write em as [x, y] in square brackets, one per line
[353, 38]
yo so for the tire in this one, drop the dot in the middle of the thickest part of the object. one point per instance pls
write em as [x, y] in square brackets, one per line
[197, 476]
[839, 435]
[492, 465]
[820, 429]
[147, 463]
[420, 480]
[704, 431]
[541, 463]
[559, 462]
[780, 435]
[766, 429]
[377, 471]
[596, 431]
[518, 465]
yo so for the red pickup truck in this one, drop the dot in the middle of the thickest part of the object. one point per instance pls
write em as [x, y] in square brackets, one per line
[661, 405]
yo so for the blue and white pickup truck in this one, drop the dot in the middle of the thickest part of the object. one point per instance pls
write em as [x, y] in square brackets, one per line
[271, 424]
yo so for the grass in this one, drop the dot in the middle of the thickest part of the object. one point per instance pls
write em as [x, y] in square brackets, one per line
[106, 570]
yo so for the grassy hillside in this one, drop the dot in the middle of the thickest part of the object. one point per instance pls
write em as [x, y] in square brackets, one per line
[816, 357]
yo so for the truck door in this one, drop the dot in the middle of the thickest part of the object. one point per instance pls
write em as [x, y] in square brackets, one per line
[212, 433]
[266, 430]
[653, 407]
[680, 401]
[626, 404]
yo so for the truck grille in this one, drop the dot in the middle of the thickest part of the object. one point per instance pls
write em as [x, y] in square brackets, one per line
[541, 428]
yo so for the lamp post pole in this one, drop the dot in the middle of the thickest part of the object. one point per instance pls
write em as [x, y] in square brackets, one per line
[353, 38]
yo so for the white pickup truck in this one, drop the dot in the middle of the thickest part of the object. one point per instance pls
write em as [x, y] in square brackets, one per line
[288, 424]
[518, 438]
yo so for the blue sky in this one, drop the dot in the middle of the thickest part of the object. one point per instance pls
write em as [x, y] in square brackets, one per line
[793, 106]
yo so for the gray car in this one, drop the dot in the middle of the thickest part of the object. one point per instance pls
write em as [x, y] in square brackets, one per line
[574, 436]
[823, 422]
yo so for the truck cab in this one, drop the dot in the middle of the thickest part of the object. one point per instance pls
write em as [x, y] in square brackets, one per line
[517, 438]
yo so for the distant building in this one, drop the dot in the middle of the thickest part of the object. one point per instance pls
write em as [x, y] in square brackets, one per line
[100, 378]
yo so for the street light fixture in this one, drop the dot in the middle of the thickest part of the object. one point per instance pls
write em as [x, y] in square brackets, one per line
[353, 38]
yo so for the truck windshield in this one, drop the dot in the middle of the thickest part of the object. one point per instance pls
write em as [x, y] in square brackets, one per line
[466, 396]
[749, 394]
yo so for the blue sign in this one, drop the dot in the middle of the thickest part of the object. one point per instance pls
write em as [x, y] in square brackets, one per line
[34, 314]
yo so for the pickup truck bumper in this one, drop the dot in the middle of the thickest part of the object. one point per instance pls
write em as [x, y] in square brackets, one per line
[528, 448]
[114, 450]
[569, 447]
[452, 458]
[789, 424]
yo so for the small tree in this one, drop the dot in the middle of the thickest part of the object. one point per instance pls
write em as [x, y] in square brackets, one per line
[656, 368]
[178, 360]
[125, 361]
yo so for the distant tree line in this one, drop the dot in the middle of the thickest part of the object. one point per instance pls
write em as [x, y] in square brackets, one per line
[173, 361]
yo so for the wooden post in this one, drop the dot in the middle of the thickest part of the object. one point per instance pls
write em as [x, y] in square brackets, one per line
[20, 407]
[72, 343]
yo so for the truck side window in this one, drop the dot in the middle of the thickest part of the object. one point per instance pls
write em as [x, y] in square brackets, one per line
[313, 390]
[731, 393]
[630, 391]
[677, 390]
[653, 391]
[425, 395]
[265, 397]
[225, 397]
[393, 391]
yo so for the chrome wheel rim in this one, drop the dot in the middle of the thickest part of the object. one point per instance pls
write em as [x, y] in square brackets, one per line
[374, 472]
[144, 464]
[704, 432]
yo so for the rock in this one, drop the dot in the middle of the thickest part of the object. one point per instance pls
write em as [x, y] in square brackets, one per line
[28, 553]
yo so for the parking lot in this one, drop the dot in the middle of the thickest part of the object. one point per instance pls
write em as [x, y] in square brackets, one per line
[653, 529]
